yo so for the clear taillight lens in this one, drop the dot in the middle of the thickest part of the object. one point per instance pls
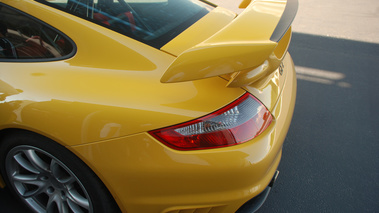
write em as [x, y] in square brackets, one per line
[240, 121]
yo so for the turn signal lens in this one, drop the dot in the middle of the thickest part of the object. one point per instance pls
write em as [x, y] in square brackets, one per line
[240, 121]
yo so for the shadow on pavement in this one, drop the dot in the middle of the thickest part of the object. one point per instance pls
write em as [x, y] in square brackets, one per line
[330, 159]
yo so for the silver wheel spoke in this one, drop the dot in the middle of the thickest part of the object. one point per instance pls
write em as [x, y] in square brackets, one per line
[62, 207]
[56, 201]
[75, 197]
[60, 173]
[74, 207]
[29, 180]
[51, 203]
[44, 182]
[24, 163]
[33, 193]
[67, 181]
[39, 164]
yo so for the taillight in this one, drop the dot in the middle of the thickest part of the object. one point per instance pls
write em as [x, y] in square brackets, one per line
[238, 122]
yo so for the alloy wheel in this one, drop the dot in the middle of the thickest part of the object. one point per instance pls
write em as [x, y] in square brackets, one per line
[44, 182]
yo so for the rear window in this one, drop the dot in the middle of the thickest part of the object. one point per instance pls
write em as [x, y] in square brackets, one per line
[154, 22]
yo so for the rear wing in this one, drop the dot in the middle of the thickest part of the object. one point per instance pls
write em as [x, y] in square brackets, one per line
[253, 44]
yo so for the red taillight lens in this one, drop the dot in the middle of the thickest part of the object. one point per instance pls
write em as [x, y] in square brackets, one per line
[240, 121]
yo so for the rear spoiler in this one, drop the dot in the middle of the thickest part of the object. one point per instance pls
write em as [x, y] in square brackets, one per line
[253, 44]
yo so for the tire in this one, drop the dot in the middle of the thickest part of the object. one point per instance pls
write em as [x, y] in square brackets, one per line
[49, 178]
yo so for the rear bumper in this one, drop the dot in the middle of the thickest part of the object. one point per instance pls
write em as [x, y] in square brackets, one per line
[255, 203]
[145, 176]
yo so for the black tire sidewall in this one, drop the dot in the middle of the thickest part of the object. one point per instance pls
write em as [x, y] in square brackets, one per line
[101, 199]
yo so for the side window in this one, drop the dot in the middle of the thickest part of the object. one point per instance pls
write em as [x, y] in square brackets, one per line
[23, 37]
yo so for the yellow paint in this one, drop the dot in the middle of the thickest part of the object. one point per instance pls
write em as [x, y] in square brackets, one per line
[200, 31]
[244, 4]
[243, 45]
[96, 94]
[101, 102]
[272, 62]
[205, 61]
[146, 176]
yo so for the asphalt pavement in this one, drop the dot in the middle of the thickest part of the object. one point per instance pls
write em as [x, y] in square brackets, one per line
[330, 157]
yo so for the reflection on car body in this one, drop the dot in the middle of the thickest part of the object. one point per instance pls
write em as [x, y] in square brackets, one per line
[143, 106]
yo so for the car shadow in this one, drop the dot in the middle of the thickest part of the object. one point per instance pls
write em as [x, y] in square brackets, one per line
[330, 161]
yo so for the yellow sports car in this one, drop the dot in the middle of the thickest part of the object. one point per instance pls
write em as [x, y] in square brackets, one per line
[143, 105]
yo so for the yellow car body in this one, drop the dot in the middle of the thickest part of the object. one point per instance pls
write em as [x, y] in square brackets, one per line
[102, 102]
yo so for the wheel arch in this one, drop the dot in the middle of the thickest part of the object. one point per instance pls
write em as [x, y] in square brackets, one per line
[10, 131]
[15, 130]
